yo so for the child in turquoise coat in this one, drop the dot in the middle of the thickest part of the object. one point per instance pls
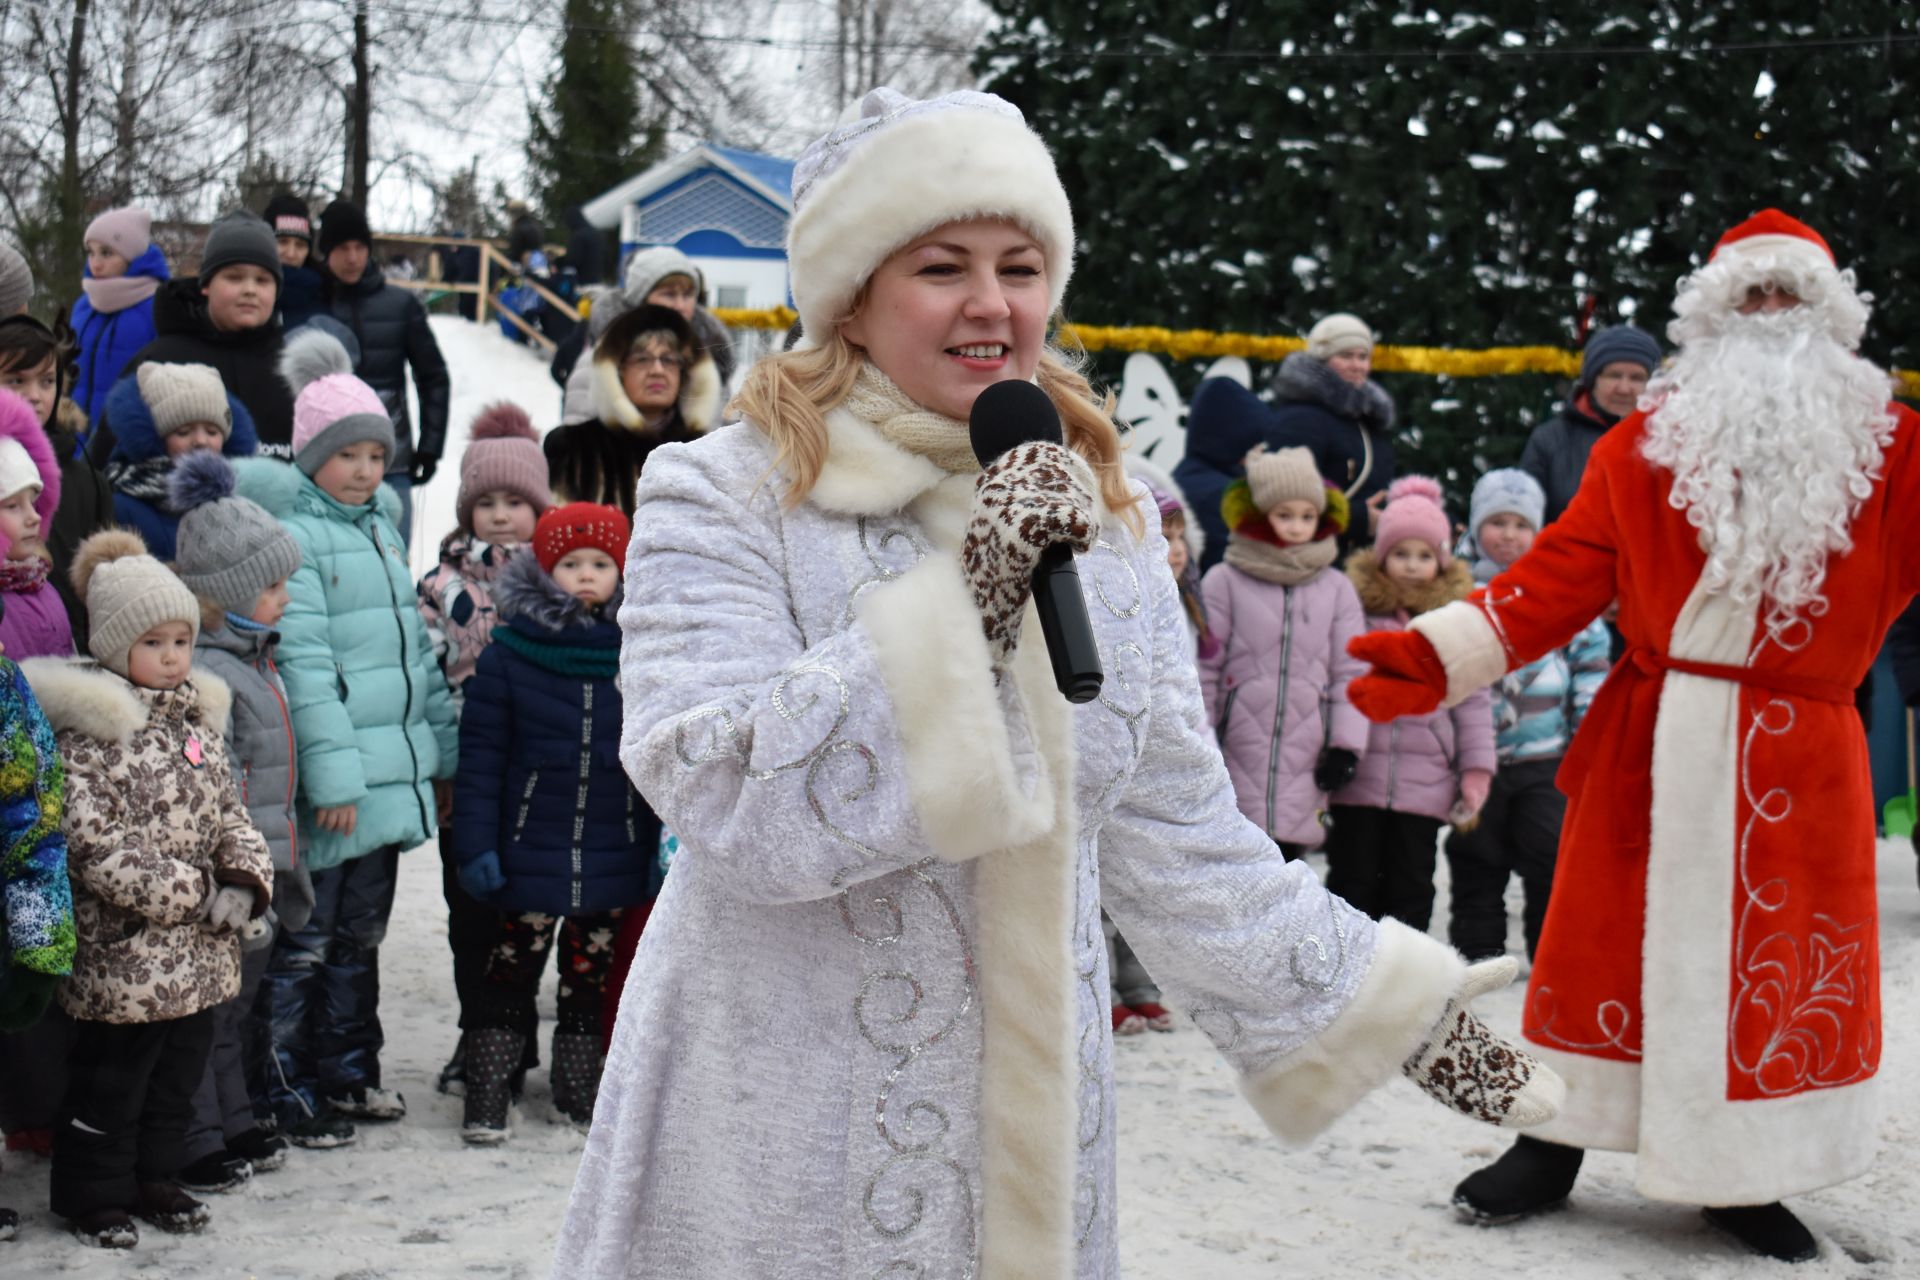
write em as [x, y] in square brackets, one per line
[374, 725]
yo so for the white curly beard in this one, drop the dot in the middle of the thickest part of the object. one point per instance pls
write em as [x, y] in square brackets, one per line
[1774, 430]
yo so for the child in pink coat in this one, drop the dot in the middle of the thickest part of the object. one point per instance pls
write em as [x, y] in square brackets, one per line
[1419, 772]
[1275, 683]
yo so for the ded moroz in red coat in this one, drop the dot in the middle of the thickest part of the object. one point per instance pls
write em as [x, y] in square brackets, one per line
[1708, 979]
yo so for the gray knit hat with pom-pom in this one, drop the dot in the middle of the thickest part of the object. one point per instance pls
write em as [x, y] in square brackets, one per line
[229, 549]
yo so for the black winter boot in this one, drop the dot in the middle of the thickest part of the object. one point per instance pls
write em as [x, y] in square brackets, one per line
[214, 1172]
[106, 1229]
[493, 1055]
[1770, 1230]
[1531, 1177]
[577, 1062]
[453, 1076]
[9, 1223]
[169, 1208]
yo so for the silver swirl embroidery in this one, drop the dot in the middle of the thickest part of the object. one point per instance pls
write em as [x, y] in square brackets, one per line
[723, 742]
[1798, 994]
[1296, 958]
[905, 1034]
[1222, 1026]
[1613, 1018]
[1139, 601]
[877, 569]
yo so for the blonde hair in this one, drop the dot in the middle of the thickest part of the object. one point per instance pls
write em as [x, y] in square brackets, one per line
[787, 395]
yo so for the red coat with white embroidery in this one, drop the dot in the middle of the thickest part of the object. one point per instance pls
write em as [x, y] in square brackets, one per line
[1708, 980]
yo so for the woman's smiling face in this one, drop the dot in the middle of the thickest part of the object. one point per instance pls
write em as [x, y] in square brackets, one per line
[952, 313]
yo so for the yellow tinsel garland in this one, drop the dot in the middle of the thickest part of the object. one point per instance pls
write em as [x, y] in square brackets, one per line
[1203, 344]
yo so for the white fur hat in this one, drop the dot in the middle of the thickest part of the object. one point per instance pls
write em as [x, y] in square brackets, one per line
[898, 167]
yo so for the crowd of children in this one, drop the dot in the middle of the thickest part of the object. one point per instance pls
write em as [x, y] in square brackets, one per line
[205, 811]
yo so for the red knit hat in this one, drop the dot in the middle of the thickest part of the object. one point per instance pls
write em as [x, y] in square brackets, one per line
[580, 524]
[1773, 232]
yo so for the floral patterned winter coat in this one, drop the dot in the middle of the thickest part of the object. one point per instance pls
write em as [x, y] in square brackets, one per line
[154, 826]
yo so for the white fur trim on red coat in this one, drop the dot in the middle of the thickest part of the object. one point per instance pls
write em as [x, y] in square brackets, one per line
[1395, 1010]
[1468, 647]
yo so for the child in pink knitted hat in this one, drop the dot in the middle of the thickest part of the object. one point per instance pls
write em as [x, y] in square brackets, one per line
[503, 491]
[1420, 772]
[373, 723]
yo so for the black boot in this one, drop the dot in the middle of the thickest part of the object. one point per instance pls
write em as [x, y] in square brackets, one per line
[1531, 1177]
[493, 1055]
[9, 1223]
[577, 1062]
[1770, 1230]
[169, 1208]
[214, 1172]
[106, 1229]
[453, 1076]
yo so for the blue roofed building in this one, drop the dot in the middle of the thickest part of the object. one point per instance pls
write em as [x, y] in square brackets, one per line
[725, 208]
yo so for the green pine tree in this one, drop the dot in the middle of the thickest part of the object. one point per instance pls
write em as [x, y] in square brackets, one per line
[1462, 175]
[590, 135]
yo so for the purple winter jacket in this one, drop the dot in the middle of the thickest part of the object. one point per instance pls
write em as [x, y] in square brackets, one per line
[36, 625]
[1276, 691]
[1413, 765]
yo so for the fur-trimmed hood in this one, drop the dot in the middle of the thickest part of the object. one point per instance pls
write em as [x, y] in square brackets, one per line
[18, 423]
[526, 597]
[81, 695]
[1382, 599]
[1301, 377]
[1157, 477]
[698, 406]
[136, 438]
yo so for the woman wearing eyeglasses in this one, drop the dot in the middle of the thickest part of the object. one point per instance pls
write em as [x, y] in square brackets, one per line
[652, 385]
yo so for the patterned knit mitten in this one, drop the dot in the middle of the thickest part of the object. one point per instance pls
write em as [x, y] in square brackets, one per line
[1478, 1074]
[1031, 497]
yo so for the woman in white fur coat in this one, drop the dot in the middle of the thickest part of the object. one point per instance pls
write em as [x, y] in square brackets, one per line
[868, 1029]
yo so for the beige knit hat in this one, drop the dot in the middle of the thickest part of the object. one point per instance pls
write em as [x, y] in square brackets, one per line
[1284, 475]
[179, 395]
[1341, 331]
[128, 594]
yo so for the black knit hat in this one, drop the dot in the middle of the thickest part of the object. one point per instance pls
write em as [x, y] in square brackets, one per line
[288, 215]
[342, 221]
[239, 237]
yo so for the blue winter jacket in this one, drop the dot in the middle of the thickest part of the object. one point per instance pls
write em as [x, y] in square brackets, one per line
[540, 780]
[372, 716]
[137, 440]
[107, 340]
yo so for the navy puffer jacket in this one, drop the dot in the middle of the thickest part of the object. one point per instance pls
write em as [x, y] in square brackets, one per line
[540, 748]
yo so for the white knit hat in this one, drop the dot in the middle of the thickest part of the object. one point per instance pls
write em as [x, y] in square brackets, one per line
[1341, 331]
[897, 168]
[17, 471]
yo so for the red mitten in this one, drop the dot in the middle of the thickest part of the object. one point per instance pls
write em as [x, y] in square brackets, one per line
[1407, 678]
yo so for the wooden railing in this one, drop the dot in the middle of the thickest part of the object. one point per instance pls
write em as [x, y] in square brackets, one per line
[493, 265]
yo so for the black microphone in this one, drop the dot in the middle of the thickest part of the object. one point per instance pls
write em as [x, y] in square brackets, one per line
[1005, 415]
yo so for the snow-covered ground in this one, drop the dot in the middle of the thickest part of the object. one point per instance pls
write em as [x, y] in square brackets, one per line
[1205, 1193]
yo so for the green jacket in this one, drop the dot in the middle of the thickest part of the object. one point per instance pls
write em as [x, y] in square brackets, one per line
[373, 720]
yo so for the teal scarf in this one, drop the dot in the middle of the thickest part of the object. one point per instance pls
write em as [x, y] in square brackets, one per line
[563, 660]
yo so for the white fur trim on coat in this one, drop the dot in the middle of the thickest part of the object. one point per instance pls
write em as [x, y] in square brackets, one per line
[907, 178]
[699, 401]
[958, 731]
[82, 695]
[1395, 1010]
[1468, 646]
[1695, 1145]
[865, 473]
